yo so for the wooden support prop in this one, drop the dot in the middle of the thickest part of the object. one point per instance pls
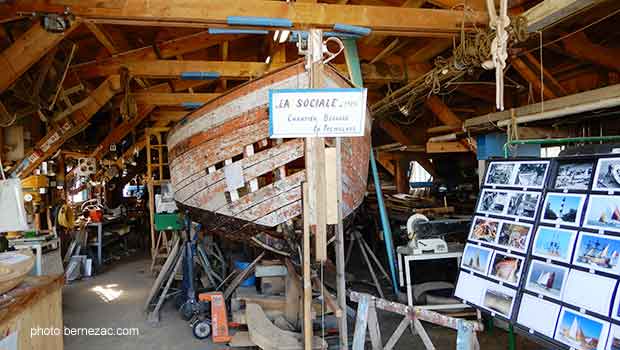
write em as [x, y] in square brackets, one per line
[445, 147]
[293, 291]
[307, 294]
[366, 319]
[385, 20]
[27, 50]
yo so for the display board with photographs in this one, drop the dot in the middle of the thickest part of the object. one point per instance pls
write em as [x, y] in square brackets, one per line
[546, 250]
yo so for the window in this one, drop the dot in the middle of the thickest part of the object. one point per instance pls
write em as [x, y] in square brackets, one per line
[418, 176]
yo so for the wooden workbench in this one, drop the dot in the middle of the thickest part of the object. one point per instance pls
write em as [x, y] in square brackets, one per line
[37, 302]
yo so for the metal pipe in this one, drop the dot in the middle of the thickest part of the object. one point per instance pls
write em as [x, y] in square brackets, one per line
[558, 141]
[385, 222]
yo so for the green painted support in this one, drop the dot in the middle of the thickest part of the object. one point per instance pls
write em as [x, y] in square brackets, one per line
[353, 62]
[559, 141]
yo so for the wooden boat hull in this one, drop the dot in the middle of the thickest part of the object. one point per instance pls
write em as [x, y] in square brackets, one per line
[232, 131]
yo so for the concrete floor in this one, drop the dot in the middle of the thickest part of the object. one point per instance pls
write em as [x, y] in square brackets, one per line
[115, 299]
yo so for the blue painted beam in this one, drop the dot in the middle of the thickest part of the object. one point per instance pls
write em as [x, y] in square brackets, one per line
[192, 105]
[215, 31]
[362, 31]
[259, 21]
[199, 75]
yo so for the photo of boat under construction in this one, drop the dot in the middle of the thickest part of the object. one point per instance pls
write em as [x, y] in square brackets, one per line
[531, 174]
[603, 213]
[599, 252]
[580, 331]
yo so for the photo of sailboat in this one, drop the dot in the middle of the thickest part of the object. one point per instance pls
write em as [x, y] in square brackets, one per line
[607, 176]
[563, 208]
[580, 331]
[514, 236]
[554, 243]
[484, 230]
[476, 258]
[531, 174]
[506, 268]
[574, 176]
[603, 212]
[599, 252]
[546, 279]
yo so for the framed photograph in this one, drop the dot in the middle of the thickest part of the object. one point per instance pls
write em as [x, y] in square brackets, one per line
[506, 268]
[523, 204]
[538, 314]
[598, 252]
[476, 258]
[501, 173]
[515, 235]
[493, 201]
[613, 341]
[546, 279]
[607, 175]
[484, 230]
[573, 176]
[563, 208]
[580, 331]
[589, 291]
[468, 288]
[531, 174]
[499, 299]
[554, 243]
[603, 213]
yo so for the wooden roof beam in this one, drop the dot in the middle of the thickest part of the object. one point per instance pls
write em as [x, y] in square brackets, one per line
[579, 46]
[166, 49]
[103, 37]
[172, 99]
[28, 49]
[529, 68]
[387, 20]
[446, 117]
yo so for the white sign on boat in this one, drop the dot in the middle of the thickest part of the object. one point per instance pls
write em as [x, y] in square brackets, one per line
[317, 112]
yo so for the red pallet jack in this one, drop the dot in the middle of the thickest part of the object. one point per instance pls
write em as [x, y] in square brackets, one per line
[203, 326]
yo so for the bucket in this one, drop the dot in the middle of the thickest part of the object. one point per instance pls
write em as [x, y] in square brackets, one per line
[251, 280]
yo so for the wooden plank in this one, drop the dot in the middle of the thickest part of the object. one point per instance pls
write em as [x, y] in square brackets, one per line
[28, 49]
[172, 99]
[578, 45]
[254, 166]
[402, 326]
[446, 116]
[263, 209]
[199, 13]
[102, 37]
[331, 191]
[167, 115]
[533, 77]
[373, 328]
[293, 291]
[446, 147]
[281, 215]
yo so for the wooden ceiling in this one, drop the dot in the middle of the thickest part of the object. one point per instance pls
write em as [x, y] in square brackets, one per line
[72, 86]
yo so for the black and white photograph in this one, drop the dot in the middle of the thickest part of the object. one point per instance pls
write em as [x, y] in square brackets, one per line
[531, 174]
[607, 176]
[493, 202]
[523, 204]
[563, 208]
[501, 173]
[574, 176]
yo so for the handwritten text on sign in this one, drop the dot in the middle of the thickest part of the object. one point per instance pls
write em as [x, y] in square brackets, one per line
[317, 112]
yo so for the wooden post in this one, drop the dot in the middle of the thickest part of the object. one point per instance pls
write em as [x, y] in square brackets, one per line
[315, 155]
[151, 188]
[307, 304]
[341, 287]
